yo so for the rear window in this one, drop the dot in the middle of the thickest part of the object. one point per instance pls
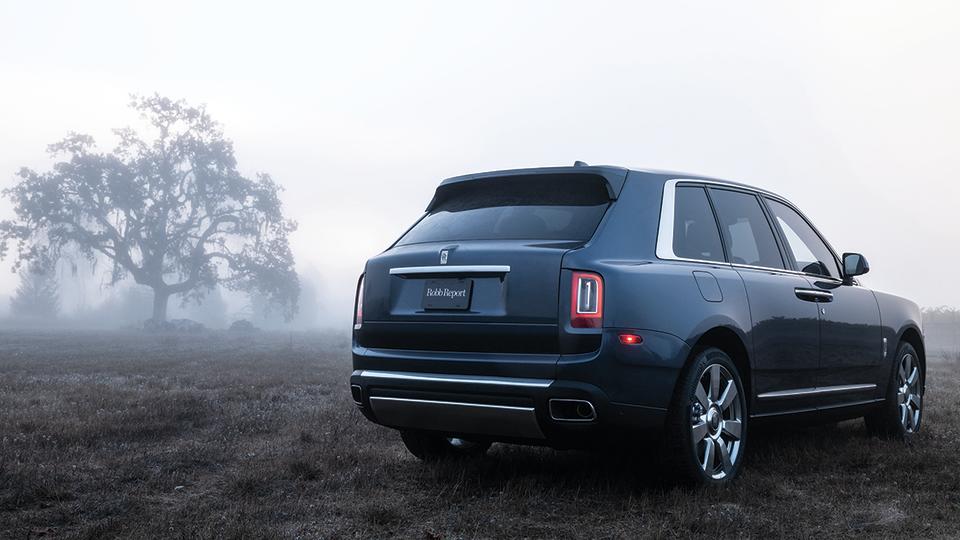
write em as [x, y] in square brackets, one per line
[537, 207]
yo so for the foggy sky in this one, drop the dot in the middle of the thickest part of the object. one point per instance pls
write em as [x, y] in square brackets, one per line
[849, 109]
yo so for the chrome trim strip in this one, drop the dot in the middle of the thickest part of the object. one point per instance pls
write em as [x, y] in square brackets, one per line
[458, 379]
[457, 417]
[820, 408]
[806, 392]
[470, 269]
[819, 277]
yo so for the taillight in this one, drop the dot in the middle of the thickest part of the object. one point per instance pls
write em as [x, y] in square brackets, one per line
[358, 316]
[586, 300]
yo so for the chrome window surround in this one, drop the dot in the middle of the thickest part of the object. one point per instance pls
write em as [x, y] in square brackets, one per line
[665, 230]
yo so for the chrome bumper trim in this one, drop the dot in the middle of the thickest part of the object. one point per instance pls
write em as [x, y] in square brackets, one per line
[457, 417]
[459, 379]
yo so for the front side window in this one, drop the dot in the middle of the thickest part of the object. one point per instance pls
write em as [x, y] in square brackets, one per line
[749, 238]
[811, 253]
[695, 234]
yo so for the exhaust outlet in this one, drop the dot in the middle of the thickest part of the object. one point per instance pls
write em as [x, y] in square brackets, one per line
[572, 410]
[585, 410]
[357, 393]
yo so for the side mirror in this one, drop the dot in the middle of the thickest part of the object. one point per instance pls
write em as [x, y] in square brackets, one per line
[854, 264]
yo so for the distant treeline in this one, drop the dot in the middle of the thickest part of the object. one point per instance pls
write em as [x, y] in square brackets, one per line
[941, 328]
[38, 302]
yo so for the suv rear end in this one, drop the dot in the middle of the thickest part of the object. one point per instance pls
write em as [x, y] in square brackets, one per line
[485, 320]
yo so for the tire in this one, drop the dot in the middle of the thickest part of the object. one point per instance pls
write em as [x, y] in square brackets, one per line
[431, 447]
[901, 414]
[707, 428]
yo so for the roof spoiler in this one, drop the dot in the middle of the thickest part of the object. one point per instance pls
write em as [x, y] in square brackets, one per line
[614, 178]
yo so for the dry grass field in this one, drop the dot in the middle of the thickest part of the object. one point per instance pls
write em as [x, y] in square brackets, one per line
[134, 435]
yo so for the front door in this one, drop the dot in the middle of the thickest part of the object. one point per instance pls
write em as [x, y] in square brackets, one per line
[851, 345]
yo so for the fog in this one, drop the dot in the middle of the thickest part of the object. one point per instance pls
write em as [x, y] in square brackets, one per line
[849, 109]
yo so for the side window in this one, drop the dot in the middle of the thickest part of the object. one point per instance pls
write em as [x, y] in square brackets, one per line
[811, 254]
[695, 234]
[749, 238]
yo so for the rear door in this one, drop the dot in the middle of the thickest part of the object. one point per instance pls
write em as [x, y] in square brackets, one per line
[785, 332]
[481, 271]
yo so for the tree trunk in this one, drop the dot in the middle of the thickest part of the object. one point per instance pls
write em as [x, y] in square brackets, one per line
[160, 305]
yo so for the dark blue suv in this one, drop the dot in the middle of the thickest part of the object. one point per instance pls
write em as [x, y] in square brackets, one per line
[564, 306]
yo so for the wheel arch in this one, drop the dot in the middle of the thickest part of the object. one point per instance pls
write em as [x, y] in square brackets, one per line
[731, 342]
[912, 335]
[908, 334]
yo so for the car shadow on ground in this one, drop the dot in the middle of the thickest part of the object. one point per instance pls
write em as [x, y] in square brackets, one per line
[639, 466]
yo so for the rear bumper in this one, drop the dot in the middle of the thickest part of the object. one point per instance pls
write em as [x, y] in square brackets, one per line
[508, 397]
[495, 408]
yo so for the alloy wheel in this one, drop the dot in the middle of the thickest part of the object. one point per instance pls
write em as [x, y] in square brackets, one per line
[909, 393]
[716, 421]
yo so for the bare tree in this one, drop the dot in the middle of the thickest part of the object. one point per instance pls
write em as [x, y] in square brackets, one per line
[173, 211]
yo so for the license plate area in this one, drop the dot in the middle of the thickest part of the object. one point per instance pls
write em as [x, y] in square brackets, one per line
[447, 294]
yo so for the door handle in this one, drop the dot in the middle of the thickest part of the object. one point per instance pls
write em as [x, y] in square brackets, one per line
[813, 295]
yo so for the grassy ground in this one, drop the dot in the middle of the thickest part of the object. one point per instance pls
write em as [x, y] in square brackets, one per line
[127, 434]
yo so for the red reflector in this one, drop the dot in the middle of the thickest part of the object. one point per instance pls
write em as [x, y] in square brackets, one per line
[630, 339]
